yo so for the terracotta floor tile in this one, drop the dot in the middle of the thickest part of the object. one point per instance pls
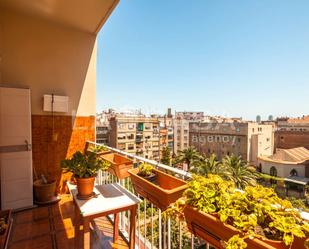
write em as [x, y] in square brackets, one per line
[43, 242]
[30, 230]
[52, 227]
[65, 239]
[31, 215]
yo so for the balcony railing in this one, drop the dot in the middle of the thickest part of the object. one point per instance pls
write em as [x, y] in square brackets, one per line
[154, 229]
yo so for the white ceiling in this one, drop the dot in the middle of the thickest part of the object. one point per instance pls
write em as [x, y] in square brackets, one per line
[85, 15]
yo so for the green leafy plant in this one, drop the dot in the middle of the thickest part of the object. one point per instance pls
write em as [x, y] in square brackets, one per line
[145, 169]
[84, 165]
[207, 165]
[231, 168]
[166, 156]
[298, 203]
[257, 212]
[238, 171]
[188, 156]
[236, 243]
[99, 148]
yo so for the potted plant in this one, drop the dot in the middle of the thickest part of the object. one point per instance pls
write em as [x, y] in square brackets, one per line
[119, 165]
[44, 190]
[161, 189]
[226, 217]
[98, 150]
[5, 224]
[145, 170]
[84, 168]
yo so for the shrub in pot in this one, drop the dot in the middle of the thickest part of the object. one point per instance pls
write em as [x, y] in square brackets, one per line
[145, 170]
[229, 218]
[84, 168]
[98, 150]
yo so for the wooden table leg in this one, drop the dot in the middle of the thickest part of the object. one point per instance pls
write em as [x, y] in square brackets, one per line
[132, 227]
[116, 226]
[86, 233]
[77, 226]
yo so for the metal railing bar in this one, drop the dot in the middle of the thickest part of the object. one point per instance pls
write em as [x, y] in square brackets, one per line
[160, 229]
[152, 162]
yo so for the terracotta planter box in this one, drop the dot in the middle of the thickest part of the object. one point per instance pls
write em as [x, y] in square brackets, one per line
[4, 237]
[211, 229]
[167, 189]
[100, 153]
[88, 149]
[119, 165]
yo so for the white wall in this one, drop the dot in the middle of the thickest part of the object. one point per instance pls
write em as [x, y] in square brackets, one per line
[261, 142]
[48, 58]
[283, 170]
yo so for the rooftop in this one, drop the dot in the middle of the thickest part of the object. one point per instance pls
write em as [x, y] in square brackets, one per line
[298, 155]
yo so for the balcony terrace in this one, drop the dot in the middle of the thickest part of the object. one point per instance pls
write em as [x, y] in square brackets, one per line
[53, 226]
[49, 48]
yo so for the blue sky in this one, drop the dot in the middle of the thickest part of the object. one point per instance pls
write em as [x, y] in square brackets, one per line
[223, 57]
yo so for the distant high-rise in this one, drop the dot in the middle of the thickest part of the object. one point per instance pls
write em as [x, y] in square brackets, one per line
[169, 112]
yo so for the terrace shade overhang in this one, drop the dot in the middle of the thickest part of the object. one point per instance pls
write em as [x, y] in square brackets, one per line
[50, 47]
[86, 16]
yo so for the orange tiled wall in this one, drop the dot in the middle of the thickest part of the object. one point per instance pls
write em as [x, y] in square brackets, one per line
[54, 139]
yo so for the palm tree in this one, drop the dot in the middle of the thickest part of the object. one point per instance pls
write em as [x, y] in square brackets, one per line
[206, 166]
[188, 156]
[238, 171]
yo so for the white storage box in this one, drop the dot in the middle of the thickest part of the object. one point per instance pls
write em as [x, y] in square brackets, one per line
[59, 104]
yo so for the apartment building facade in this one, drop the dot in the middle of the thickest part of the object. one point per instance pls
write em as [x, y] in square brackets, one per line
[292, 132]
[181, 128]
[190, 116]
[167, 132]
[103, 127]
[181, 134]
[138, 135]
[246, 139]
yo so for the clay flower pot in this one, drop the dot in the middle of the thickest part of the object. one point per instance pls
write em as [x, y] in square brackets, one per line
[44, 192]
[211, 229]
[85, 187]
[166, 189]
[119, 165]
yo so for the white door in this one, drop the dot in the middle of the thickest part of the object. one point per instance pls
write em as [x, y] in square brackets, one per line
[15, 148]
